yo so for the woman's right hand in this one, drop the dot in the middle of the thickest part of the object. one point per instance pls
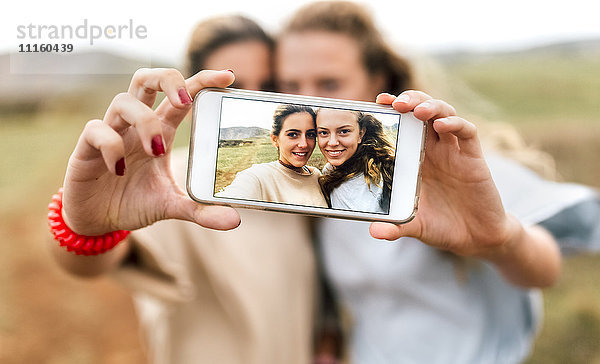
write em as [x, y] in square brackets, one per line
[119, 177]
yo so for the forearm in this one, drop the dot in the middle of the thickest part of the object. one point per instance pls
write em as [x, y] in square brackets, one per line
[93, 265]
[531, 259]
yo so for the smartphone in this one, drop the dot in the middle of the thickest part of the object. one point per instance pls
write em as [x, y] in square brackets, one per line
[318, 163]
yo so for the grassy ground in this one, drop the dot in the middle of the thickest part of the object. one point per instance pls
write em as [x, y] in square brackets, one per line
[47, 316]
[554, 100]
[231, 160]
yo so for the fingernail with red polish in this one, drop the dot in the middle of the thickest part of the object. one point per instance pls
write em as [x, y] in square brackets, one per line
[158, 147]
[120, 167]
[229, 70]
[184, 96]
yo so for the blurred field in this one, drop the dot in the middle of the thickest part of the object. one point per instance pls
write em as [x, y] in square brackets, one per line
[553, 98]
[49, 317]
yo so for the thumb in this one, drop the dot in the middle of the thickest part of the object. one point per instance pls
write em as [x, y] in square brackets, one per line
[209, 216]
[389, 231]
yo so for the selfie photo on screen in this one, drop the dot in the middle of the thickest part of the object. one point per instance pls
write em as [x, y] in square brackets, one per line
[267, 151]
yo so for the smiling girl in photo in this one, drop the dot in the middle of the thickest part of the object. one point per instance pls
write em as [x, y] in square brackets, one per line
[289, 179]
[360, 166]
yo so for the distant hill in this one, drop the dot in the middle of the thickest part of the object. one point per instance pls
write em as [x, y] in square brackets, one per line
[31, 80]
[27, 78]
[587, 47]
[239, 133]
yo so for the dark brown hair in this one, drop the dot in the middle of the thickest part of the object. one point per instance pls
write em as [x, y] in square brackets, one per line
[355, 21]
[374, 158]
[214, 33]
[285, 110]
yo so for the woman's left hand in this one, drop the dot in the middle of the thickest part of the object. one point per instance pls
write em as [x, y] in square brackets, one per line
[459, 208]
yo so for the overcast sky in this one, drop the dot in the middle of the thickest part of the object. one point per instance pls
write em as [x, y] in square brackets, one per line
[425, 25]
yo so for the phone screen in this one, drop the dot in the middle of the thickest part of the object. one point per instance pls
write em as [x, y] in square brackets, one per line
[330, 158]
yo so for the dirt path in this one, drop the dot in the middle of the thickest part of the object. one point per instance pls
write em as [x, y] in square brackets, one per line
[47, 316]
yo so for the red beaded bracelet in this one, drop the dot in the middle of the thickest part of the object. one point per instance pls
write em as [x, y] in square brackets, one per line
[73, 242]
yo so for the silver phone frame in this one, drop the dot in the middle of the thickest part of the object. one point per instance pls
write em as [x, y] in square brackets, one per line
[403, 204]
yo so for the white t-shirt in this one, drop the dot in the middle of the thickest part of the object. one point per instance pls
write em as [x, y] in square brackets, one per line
[355, 194]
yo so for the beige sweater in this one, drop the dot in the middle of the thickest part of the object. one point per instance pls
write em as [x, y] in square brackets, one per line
[243, 296]
[273, 182]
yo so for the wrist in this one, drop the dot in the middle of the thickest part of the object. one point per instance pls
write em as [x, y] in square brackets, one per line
[507, 244]
[76, 243]
[528, 257]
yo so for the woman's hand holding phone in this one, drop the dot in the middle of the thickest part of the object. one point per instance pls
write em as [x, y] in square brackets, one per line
[459, 208]
[118, 177]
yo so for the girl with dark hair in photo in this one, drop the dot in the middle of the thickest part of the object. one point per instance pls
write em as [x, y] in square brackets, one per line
[288, 179]
[360, 158]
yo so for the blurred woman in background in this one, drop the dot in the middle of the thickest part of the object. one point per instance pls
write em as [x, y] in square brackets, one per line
[458, 284]
[203, 296]
[235, 42]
